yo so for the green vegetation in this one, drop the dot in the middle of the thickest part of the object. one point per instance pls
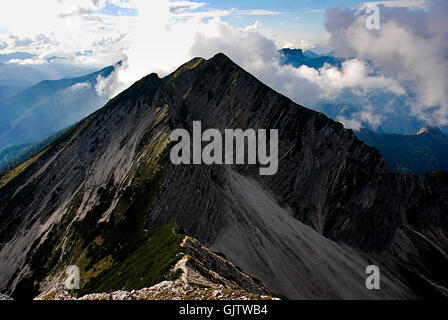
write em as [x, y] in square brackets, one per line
[10, 175]
[188, 66]
[13, 156]
[103, 250]
[147, 266]
[124, 236]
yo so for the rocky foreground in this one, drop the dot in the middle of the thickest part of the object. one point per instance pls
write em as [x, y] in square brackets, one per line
[166, 290]
[202, 275]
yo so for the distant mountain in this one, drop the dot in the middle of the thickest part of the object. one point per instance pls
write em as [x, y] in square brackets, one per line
[105, 196]
[378, 110]
[297, 58]
[7, 92]
[424, 151]
[13, 156]
[49, 106]
[4, 58]
[310, 54]
[19, 75]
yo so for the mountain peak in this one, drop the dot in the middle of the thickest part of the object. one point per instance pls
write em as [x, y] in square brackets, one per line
[288, 51]
[106, 196]
[220, 57]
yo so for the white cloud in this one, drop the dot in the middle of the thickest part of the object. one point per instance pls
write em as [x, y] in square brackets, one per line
[171, 43]
[295, 44]
[397, 3]
[78, 87]
[108, 87]
[410, 47]
[255, 12]
[357, 119]
[257, 25]
[409, 52]
[354, 74]
[31, 61]
[350, 123]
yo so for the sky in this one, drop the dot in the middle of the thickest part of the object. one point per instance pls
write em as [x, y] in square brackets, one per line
[97, 31]
[406, 57]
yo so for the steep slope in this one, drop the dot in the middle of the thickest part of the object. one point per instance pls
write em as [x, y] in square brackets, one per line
[12, 156]
[97, 195]
[7, 92]
[424, 151]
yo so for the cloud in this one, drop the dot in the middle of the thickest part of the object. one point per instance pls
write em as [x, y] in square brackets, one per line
[354, 75]
[255, 12]
[109, 86]
[411, 47]
[182, 6]
[396, 3]
[295, 44]
[359, 119]
[354, 124]
[74, 25]
[32, 61]
[257, 25]
[78, 87]
[173, 42]
[408, 56]
[62, 28]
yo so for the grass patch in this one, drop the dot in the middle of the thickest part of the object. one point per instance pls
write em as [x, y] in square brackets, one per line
[188, 66]
[10, 175]
[147, 266]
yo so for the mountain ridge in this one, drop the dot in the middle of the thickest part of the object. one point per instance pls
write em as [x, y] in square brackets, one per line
[298, 58]
[49, 106]
[333, 198]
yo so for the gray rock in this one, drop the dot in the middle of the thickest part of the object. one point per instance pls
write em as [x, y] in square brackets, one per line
[308, 232]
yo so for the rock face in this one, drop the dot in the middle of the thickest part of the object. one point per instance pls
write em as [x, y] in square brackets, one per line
[308, 232]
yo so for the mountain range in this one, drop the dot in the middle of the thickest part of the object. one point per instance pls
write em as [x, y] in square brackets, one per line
[35, 113]
[425, 151]
[20, 74]
[105, 197]
[298, 58]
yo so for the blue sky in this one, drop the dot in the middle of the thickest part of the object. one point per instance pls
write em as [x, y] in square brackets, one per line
[284, 20]
[295, 19]
[65, 27]
[289, 18]
[159, 35]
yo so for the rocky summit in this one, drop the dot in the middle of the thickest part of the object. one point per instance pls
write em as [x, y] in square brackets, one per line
[106, 198]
